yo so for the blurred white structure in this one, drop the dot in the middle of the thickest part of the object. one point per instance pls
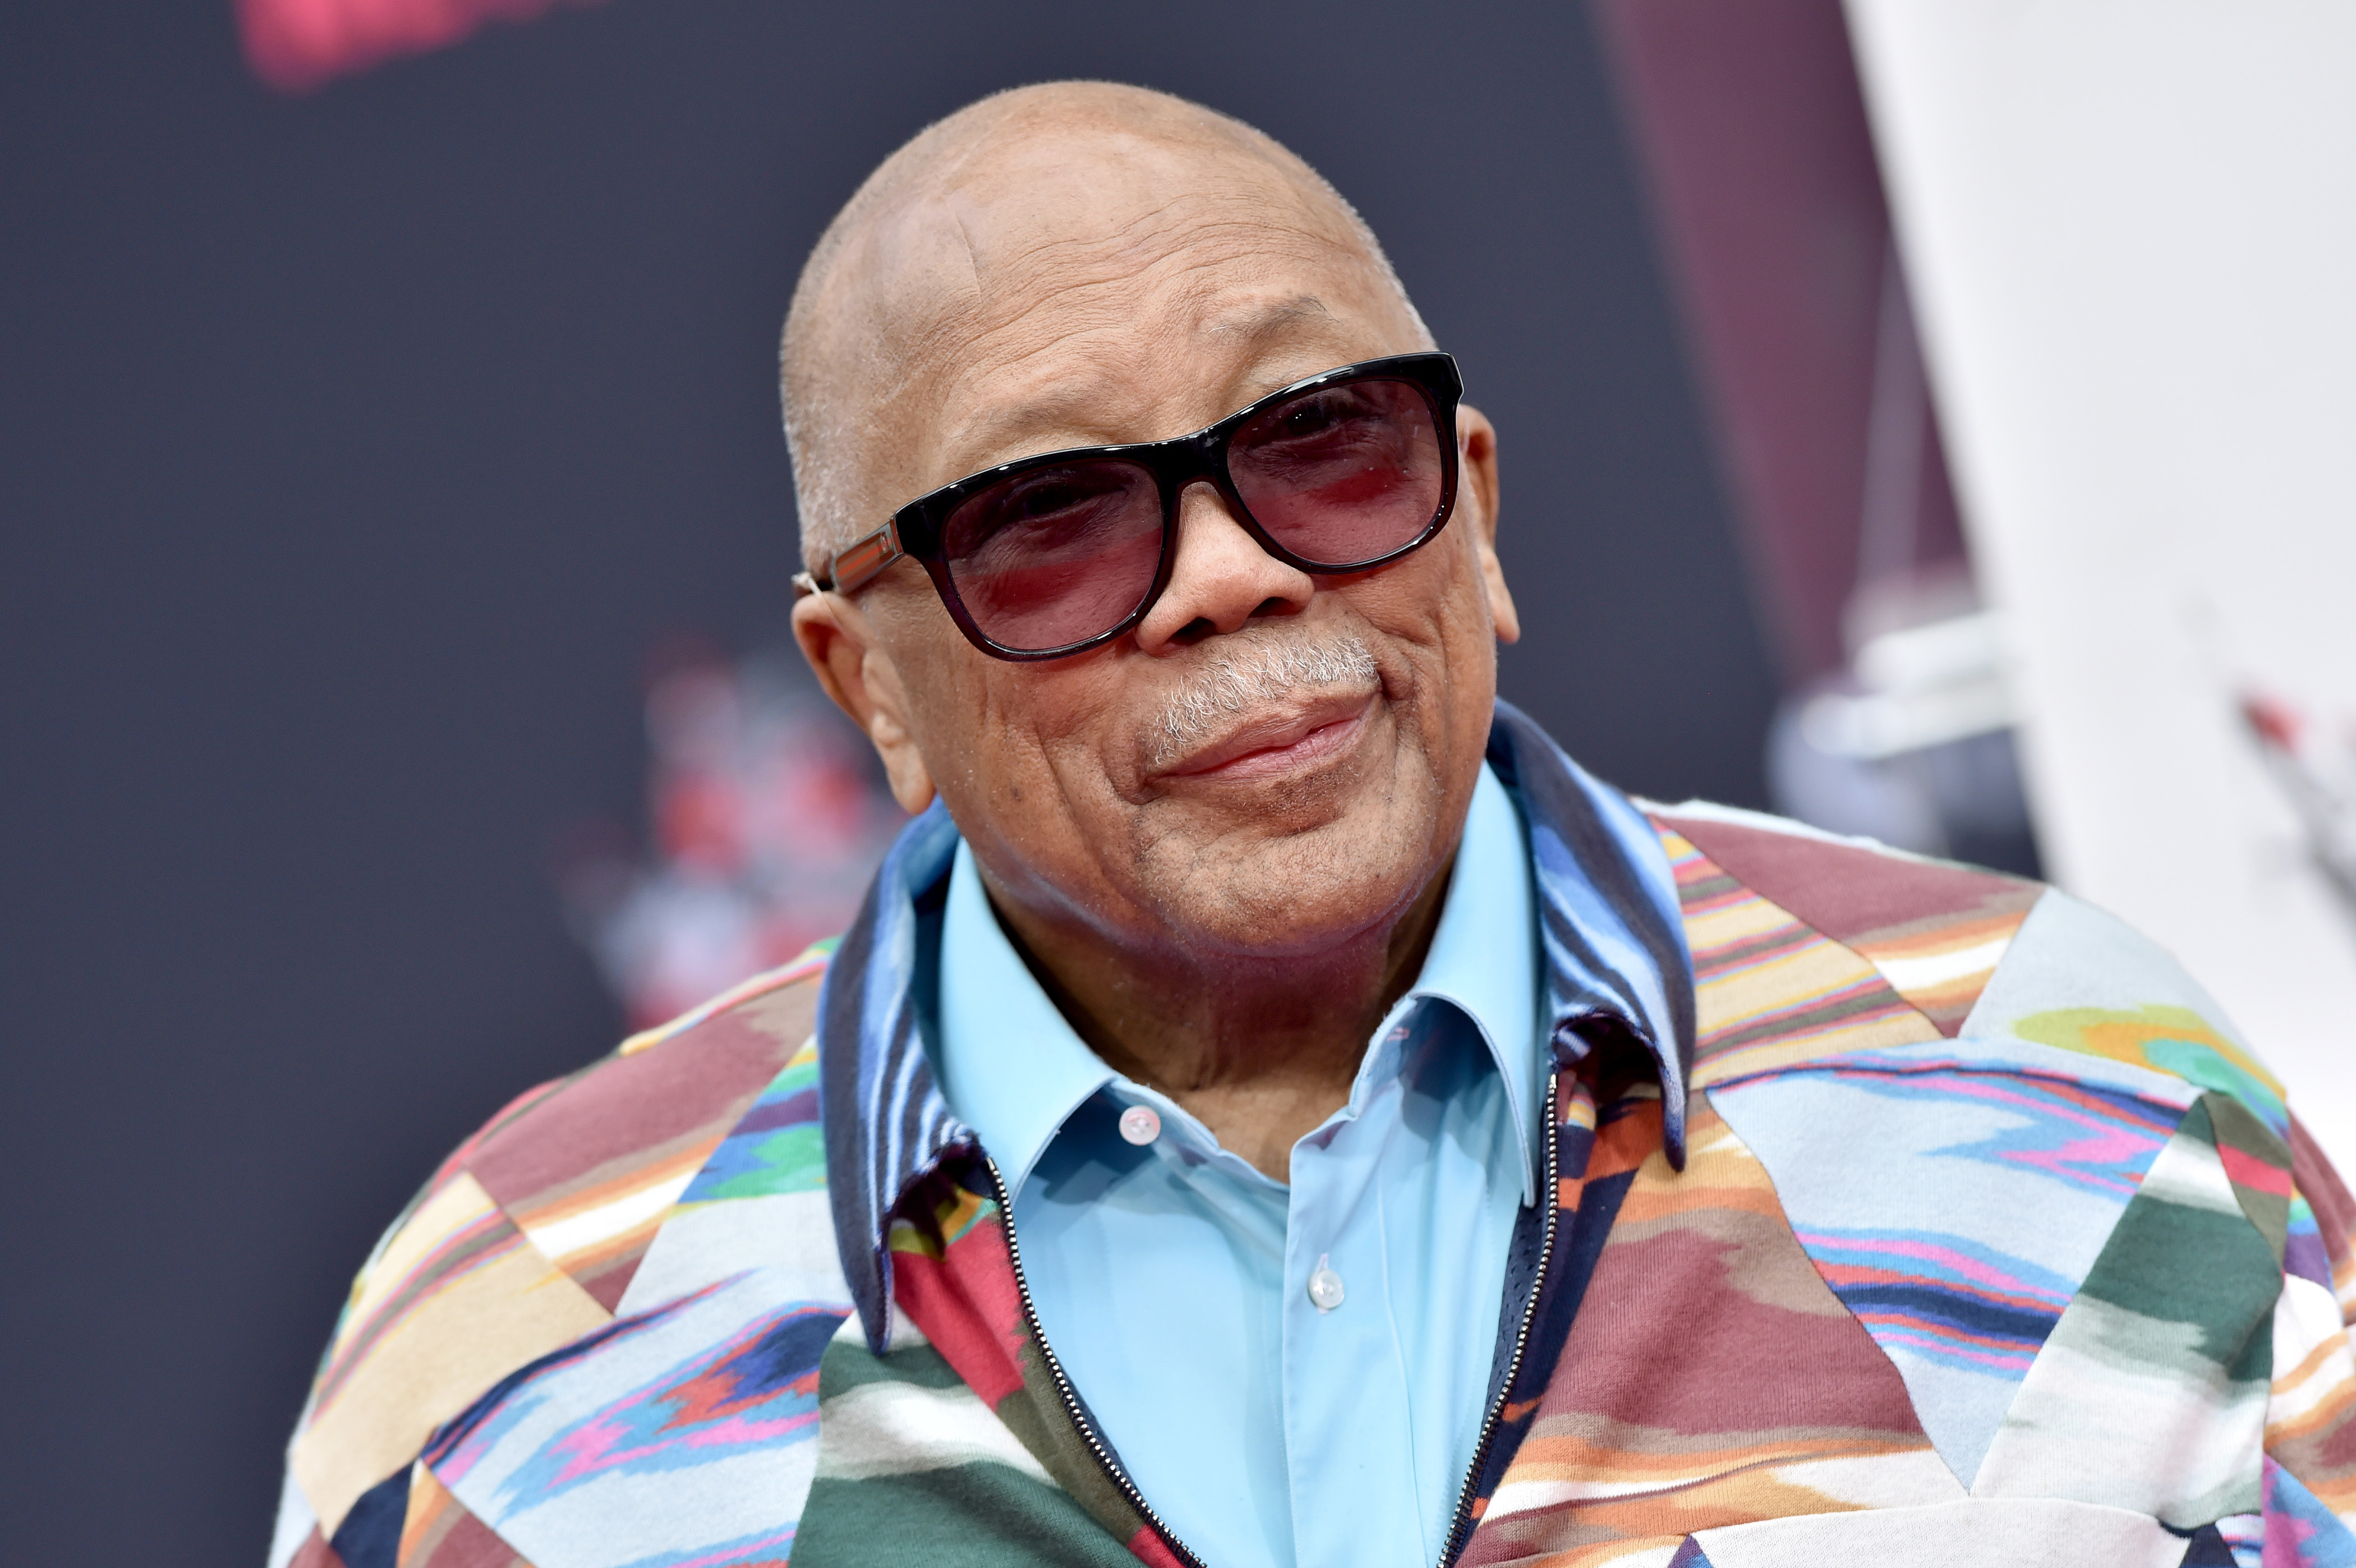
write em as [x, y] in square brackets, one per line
[1913, 743]
[2129, 226]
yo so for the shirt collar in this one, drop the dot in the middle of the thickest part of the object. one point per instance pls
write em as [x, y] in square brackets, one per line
[1612, 952]
[1483, 956]
[1611, 932]
[1009, 1062]
[1015, 1070]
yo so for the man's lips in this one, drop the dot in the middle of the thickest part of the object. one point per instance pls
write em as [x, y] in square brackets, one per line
[1278, 742]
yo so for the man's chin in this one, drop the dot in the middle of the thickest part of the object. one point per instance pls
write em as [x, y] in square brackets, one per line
[1279, 887]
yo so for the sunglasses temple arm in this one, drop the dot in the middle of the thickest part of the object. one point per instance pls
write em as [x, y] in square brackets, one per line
[855, 567]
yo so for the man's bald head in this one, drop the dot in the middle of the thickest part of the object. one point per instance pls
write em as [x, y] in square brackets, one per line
[1046, 198]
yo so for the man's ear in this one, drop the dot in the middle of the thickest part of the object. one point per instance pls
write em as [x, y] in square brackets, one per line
[1476, 484]
[840, 647]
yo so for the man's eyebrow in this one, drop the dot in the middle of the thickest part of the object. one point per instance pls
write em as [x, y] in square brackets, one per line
[1267, 320]
[1058, 408]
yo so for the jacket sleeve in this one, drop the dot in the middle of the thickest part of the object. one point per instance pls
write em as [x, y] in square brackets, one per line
[2311, 1437]
[527, 1242]
[453, 1297]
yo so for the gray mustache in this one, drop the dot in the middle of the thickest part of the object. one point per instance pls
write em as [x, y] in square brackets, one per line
[1254, 671]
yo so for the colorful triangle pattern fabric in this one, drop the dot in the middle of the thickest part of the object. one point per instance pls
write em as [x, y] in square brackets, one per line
[1933, 930]
[1993, 1192]
[590, 1173]
[1713, 1377]
[438, 1532]
[1772, 992]
[2150, 1393]
[485, 1317]
[1992, 1230]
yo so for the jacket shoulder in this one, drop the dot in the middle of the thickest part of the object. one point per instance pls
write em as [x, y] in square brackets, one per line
[538, 1231]
[2028, 1154]
[1912, 950]
[1863, 945]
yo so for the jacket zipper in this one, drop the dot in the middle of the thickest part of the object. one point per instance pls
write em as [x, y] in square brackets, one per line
[1462, 1530]
[1086, 1428]
[1460, 1527]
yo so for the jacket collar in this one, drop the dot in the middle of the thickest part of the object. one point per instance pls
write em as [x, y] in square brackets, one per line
[1613, 954]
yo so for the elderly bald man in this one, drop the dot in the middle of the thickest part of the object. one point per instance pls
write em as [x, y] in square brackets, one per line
[1273, 1108]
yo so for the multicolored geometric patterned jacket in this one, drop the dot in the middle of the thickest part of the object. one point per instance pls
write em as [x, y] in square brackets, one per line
[1901, 1213]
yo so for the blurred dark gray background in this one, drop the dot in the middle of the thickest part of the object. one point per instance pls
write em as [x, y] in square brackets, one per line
[356, 448]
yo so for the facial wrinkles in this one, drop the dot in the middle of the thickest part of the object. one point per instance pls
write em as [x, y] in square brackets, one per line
[1256, 668]
[1031, 267]
[1184, 300]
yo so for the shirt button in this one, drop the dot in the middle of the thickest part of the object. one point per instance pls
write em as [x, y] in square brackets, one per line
[1325, 1287]
[1138, 1125]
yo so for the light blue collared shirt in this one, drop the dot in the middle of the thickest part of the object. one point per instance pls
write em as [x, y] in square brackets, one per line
[1172, 1279]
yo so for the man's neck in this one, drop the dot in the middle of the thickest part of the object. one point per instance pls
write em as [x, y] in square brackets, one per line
[1261, 1050]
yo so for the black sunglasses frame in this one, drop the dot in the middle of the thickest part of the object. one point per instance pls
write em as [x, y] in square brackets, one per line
[1176, 463]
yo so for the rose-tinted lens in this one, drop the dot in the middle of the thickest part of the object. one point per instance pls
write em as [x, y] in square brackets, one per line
[1343, 474]
[1056, 555]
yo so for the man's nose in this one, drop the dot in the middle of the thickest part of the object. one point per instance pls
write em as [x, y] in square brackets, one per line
[1221, 578]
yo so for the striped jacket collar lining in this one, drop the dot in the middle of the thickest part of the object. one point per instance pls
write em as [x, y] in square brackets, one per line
[1613, 952]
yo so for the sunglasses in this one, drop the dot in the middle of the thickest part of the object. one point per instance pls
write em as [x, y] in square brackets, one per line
[1048, 555]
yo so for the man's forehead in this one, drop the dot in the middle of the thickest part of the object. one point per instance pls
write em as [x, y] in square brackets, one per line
[1020, 292]
[1092, 383]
